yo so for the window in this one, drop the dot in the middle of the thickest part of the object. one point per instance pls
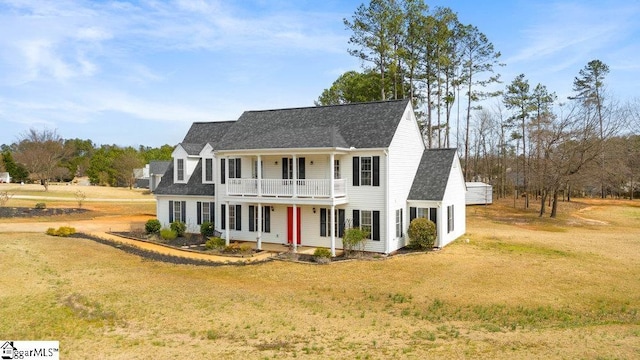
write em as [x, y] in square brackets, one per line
[325, 222]
[206, 211]
[427, 213]
[180, 169]
[266, 218]
[235, 212]
[369, 220]
[336, 169]
[450, 217]
[365, 170]
[177, 211]
[399, 223]
[365, 222]
[235, 166]
[208, 170]
[287, 168]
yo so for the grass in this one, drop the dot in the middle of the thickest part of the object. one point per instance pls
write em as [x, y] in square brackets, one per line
[512, 291]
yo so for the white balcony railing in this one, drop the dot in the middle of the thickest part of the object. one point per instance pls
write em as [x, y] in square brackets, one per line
[313, 188]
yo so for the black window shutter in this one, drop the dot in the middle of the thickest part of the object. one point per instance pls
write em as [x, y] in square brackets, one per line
[376, 225]
[285, 168]
[223, 173]
[171, 211]
[266, 219]
[401, 227]
[433, 215]
[238, 217]
[183, 213]
[252, 217]
[199, 211]
[356, 218]
[212, 212]
[412, 213]
[223, 216]
[376, 171]
[323, 222]
[356, 171]
[341, 216]
[301, 171]
[214, 189]
[238, 168]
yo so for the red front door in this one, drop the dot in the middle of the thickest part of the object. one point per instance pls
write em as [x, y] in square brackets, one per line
[290, 224]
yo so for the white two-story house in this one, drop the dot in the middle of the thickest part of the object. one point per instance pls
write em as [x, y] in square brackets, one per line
[301, 176]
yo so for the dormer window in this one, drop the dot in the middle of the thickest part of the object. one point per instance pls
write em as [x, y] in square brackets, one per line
[208, 170]
[180, 169]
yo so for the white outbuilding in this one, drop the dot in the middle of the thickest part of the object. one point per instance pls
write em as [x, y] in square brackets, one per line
[479, 193]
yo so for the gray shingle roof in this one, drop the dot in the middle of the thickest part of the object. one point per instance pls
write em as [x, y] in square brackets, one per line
[158, 166]
[193, 187]
[359, 125]
[431, 178]
[202, 133]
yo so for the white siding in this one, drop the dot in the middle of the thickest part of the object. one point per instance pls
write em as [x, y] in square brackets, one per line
[454, 194]
[405, 153]
[162, 210]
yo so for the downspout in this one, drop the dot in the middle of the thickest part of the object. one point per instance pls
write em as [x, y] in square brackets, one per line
[386, 202]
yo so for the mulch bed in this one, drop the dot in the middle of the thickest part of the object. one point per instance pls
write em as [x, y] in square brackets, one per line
[25, 212]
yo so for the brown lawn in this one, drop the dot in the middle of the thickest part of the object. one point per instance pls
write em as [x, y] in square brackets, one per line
[515, 286]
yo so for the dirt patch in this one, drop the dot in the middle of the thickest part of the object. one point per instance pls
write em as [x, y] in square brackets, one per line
[25, 212]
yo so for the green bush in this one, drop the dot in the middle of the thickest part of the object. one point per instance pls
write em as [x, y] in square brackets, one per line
[179, 227]
[51, 231]
[152, 226]
[207, 229]
[168, 234]
[322, 252]
[41, 206]
[422, 234]
[354, 239]
[215, 243]
[322, 255]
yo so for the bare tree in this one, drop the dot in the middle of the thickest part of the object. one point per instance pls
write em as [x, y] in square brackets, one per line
[41, 153]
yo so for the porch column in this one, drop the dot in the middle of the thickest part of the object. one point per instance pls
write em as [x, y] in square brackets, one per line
[295, 178]
[294, 218]
[259, 245]
[259, 166]
[226, 223]
[333, 229]
[226, 178]
[332, 175]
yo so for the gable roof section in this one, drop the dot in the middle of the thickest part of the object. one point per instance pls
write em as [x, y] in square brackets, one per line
[193, 187]
[359, 125]
[432, 176]
[157, 167]
[202, 133]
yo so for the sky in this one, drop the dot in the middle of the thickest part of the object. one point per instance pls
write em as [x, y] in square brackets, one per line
[136, 73]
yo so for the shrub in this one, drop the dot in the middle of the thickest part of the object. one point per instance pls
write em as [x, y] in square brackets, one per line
[322, 255]
[215, 243]
[207, 229]
[41, 206]
[354, 239]
[152, 226]
[422, 234]
[179, 227]
[236, 248]
[62, 231]
[65, 231]
[168, 234]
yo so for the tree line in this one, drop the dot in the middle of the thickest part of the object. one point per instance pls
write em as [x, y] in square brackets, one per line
[528, 143]
[43, 156]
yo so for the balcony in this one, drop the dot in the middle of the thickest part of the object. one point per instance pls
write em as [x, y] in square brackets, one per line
[303, 188]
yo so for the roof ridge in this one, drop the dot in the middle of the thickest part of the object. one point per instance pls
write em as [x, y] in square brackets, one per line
[333, 105]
